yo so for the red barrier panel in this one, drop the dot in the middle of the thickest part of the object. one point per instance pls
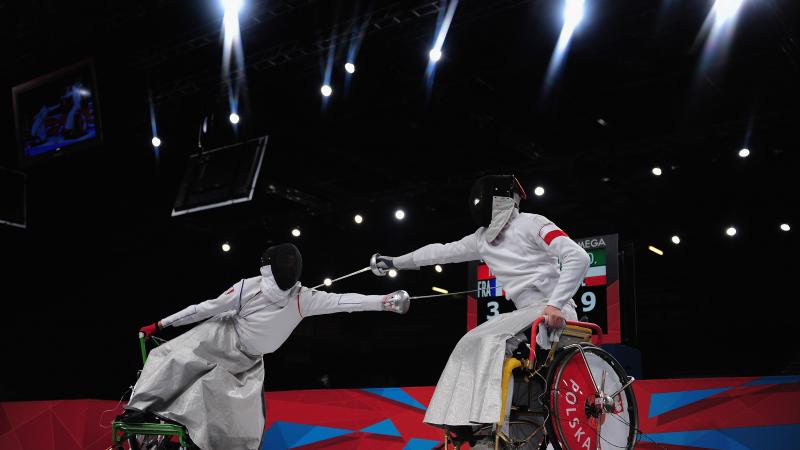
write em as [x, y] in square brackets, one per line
[757, 413]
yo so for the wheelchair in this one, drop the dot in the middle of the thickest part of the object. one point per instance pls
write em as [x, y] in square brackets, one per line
[574, 396]
[158, 434]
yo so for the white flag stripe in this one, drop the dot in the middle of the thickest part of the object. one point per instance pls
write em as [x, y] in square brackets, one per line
[596, 271]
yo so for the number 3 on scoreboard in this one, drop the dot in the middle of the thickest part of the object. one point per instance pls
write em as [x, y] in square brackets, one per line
[494, 310]
[588, 300]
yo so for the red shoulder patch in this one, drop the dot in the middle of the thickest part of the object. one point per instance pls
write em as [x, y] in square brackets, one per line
[548, 238]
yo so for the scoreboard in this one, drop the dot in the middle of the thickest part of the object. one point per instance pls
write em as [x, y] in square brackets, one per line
[597, 298]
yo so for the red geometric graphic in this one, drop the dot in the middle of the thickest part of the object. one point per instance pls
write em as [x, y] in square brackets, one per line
[757, 413]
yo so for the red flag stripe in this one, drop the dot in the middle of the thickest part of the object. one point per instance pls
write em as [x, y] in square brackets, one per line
[484, 273]
[548, 238]
[595, 281]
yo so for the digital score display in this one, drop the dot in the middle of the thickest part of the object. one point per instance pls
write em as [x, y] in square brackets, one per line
[597, 298]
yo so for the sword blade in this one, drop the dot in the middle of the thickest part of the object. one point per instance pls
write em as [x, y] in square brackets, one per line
[420, 297]
[343, 277]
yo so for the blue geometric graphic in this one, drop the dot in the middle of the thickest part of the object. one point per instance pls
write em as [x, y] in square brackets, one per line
[667, 401]
[774, 380]
[384, 427]
[421, 444]
[772, 437]
[397, 395]
[291, 435]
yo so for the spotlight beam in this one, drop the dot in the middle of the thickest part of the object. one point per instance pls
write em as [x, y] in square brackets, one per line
[443, 23]
[573, 15]
[717, 30]
[232, 49]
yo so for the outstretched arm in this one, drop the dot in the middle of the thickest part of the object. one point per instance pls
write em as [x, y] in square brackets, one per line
[229, 300]
[311, 302]
[465, 249]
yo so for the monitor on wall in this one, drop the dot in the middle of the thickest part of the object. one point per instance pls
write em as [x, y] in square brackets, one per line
[57, 113]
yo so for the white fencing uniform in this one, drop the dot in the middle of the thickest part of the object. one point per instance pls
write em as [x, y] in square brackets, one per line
[525, 258]
[266, 315]
[210, 379]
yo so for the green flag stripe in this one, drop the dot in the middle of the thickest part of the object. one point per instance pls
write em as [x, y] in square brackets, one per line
[598, 257]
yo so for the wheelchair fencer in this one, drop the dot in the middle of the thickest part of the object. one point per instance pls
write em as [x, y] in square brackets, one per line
[574, 396]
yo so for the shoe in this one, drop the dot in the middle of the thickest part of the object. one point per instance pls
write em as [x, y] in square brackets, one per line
[136, 416]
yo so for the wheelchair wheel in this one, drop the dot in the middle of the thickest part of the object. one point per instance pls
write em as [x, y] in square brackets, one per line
[582, 418]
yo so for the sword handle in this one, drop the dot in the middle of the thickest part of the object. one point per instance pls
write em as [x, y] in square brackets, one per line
[373, 264]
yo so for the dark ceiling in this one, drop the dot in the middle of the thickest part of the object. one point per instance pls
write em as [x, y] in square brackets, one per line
[102, 256]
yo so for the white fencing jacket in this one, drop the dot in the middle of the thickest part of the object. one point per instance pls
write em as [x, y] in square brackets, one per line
[524, 257]
[266, 315]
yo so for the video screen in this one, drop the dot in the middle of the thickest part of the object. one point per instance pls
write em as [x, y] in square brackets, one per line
[57, 112]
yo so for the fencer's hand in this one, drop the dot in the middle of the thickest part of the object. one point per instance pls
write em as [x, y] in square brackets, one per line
[149, 330]
[384, 262]
[380, 265]
[554, 318]
[397, 301]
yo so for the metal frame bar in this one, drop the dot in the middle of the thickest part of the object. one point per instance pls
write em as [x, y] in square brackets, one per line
[535, 328]
[261, 150]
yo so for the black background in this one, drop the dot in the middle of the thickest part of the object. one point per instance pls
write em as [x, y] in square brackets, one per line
[101, 255]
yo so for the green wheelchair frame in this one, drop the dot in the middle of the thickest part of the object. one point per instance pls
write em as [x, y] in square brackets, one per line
[122, 431]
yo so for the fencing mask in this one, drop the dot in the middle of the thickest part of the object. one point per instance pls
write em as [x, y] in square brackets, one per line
[483, 193]
[285, 262]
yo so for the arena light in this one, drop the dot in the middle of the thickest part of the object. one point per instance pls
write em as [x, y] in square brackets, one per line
[399, 214]
[725, 10]
[327, 282]
[226, 247]
[676, 239]
[538, 191]
[358, 219]
[357, 33]
[655, 250]
[438, 268]
[717, 31]
[440, 290]
[657, 171]
[232, 53]
[327, 76]
[785, 227]
[296, 232]
[731, 231]
[392, 273]
[443, 21]
[573, 14]
[744, 153]
[574, 11]
[232, 6]
[234, 118]
[156, 141]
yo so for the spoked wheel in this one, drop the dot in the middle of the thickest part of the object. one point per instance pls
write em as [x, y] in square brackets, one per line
[591, 401]
[525, 433]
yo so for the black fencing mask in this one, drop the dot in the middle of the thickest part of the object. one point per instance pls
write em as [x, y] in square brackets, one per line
[285, 262]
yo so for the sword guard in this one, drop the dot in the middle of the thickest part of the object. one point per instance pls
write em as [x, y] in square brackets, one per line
[373, 265]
